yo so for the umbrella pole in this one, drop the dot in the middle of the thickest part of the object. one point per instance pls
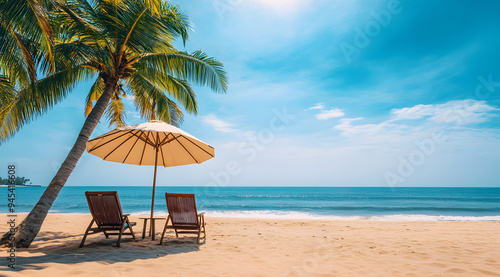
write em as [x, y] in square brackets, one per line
[151, 221]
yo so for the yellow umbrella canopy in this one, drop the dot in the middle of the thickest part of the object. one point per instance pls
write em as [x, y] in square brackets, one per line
[151, 143]
[138, 144]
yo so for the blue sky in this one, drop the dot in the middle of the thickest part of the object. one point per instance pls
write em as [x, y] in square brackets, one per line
[322, 93]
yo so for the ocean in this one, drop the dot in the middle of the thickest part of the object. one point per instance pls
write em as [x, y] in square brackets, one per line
[335, 203]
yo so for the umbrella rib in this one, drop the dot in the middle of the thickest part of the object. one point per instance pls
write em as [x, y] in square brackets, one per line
[199, 146]
[166, 137]
[97, 146]
[173, 157]
[149, 141]
[131, 148]
[105, 135]
[146, 140]
[186, 150]
[161, 149]
[144, 149]
[163, 142]
[166, 142]
[162, 158]
[117, 147]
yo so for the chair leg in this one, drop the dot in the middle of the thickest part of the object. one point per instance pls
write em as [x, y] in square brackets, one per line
[198, 239]
[131, 231]
[106, 234]
[144, 228]
[120, 234]
[84, 238]
[119, 239]
[86, 233]
[204, 230]
[133, 235]
[153, 229]
[202, 226]
[164, 229]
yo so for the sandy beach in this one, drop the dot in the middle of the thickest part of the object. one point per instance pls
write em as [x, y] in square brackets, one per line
[267, 247]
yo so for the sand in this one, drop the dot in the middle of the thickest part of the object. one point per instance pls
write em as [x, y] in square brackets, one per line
[267, 247]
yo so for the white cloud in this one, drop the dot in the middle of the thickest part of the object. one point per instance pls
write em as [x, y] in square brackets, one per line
[318, 106]
[327, 114]
[459, 112]
[415, 112]
[218, 124]
[448, 115]
[348, 129]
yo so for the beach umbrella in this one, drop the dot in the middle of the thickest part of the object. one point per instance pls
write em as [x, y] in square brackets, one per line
[152, 143]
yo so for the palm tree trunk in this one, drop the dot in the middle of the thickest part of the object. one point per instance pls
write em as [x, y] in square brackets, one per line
[30, 226]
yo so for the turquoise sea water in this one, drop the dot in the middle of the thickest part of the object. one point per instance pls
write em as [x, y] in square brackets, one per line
[290, 202]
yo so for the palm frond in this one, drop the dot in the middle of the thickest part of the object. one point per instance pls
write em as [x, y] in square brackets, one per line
[73, 9]
[18, 55]
[152, 102]
[176, 88]
[177, 21]
[95, 92]
[115, 113]
[196, 67]
[7, 91]
[81, 52]
[155, 6]
[32, 102]
[28, 58]
[131, 31]
[78, 18]
[28, 18]
[134, 26]
[174, 114]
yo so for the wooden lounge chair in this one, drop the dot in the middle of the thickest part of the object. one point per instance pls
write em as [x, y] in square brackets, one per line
[107, 215]
[185, 218]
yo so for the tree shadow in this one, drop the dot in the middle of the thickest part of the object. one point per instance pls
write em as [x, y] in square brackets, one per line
[63, 248]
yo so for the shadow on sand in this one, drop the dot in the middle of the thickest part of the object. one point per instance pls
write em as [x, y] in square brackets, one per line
[63, 248]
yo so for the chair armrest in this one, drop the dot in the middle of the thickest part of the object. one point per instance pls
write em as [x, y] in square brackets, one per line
[126, 214]
[201, 213]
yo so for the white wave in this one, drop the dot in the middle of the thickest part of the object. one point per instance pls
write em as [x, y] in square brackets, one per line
[267, 214]
[147, 213]
[417, 217]
[304, 215]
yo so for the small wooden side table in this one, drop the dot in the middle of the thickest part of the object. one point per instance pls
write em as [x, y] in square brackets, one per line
[152, 228]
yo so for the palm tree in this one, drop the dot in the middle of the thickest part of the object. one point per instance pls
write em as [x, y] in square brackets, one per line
[127, 47]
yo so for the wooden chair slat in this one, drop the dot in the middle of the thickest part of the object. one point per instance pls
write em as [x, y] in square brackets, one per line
[107, 214]
[184, 215]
